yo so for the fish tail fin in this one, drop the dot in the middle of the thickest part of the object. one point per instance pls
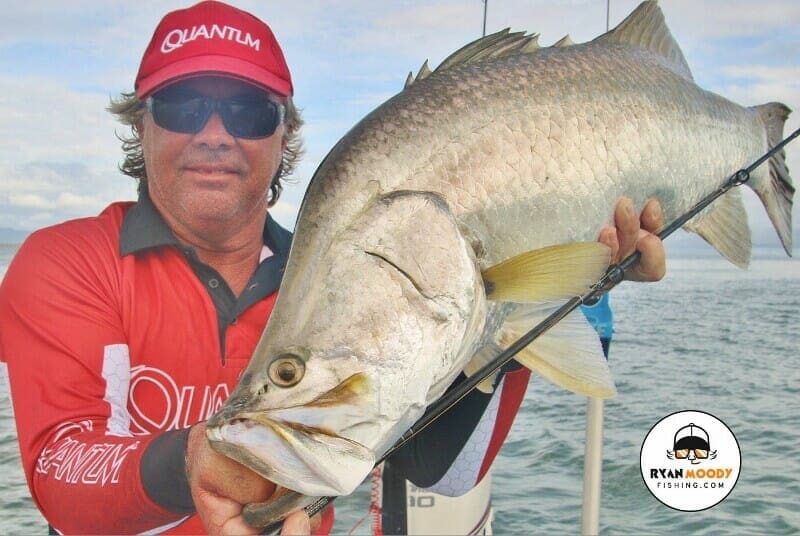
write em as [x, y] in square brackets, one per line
[777, 192]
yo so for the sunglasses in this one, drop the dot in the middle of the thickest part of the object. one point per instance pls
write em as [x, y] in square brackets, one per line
[247, 116]
[700, 454]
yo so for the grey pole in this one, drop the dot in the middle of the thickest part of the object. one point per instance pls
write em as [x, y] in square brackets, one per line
[593, 449]
[485, 7]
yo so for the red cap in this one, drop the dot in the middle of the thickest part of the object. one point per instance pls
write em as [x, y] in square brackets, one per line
[213, 38]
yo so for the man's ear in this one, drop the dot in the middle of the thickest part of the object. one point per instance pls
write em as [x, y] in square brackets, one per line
[138, 127]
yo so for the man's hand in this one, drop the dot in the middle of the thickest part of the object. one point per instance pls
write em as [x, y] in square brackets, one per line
[631, 233]
[221, 487]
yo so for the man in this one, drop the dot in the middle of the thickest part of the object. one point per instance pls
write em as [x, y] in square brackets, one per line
[124, 332]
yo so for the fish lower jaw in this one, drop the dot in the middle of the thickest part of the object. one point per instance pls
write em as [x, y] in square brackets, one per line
[232, 438]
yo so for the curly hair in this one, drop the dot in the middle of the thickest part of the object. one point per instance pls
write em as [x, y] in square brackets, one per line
[129, 111]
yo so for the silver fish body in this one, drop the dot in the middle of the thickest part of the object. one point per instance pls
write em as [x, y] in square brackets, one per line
[505, 149]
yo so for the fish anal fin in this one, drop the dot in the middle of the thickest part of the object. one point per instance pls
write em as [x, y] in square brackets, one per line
[724, 226]
[645, 27]
[547, 274]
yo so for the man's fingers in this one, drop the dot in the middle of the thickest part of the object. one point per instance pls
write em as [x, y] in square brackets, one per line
[608, 236]
[627, 224]
[652, 265]
[632, 232]
[296, 524]
[652, 217]
[237, 525]
[220, 515]
[316, 519]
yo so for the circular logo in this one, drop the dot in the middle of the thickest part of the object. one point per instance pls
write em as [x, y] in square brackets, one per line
[690, 461]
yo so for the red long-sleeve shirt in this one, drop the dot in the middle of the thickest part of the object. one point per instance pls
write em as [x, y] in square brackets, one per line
[117, 338]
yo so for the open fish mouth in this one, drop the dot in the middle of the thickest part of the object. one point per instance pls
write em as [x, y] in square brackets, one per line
[305, 459]
[300, 447]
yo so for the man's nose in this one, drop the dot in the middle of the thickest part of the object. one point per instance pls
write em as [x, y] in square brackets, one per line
[214, 134]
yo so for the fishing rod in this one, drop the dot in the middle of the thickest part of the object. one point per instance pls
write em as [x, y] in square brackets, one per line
[613, 276]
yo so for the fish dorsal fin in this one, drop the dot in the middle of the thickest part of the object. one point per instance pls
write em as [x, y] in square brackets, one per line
[423, 72]
[547, 274]
[646, 28]
[496, 45]
[565, 41]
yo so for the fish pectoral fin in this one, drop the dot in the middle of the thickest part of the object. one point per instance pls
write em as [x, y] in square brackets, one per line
[724, 226]
[547, 274]
[569, 354]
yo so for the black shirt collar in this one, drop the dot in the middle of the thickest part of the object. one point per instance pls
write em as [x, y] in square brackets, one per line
[143, 227]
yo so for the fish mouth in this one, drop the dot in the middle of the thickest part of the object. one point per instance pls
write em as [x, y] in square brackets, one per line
[306, 459]
[301, 447]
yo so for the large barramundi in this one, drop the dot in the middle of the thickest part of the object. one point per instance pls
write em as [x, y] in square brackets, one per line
[455, 215]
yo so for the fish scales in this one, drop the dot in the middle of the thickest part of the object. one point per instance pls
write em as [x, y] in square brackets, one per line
[554, 136]
[452, 218]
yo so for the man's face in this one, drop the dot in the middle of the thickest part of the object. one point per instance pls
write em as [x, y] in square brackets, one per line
[206, 182]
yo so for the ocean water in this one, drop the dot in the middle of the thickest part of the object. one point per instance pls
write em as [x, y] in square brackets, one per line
[709, 337]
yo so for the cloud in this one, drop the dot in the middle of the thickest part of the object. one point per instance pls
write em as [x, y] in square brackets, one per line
[42, 193]
[61, 62]
[41, 118]
[28, 200]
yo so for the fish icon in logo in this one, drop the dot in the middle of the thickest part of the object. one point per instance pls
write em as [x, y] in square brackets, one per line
[691, 443]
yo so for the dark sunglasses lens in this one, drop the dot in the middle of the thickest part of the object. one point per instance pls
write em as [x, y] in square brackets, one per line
[187, 116]
[250, 118]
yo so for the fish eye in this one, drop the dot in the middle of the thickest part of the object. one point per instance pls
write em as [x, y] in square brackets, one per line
[287, 370]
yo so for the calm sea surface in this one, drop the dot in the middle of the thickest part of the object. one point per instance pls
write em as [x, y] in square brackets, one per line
[709, 337]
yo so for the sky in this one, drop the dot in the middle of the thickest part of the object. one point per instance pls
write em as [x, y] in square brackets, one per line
[61, 62]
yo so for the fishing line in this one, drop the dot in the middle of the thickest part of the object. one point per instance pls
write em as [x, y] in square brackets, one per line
[613, 276]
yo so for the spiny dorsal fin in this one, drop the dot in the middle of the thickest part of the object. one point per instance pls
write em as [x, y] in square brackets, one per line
[565, 41]
[645, 27]
[409, 80]
[466, 53]
[508, 46]
[423, 72]
[496, 45]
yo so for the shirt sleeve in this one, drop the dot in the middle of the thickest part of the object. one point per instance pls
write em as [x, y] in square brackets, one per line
[61, 336]
[454, 453]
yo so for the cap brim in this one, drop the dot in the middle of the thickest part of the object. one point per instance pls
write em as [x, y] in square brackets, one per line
[212, 66]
